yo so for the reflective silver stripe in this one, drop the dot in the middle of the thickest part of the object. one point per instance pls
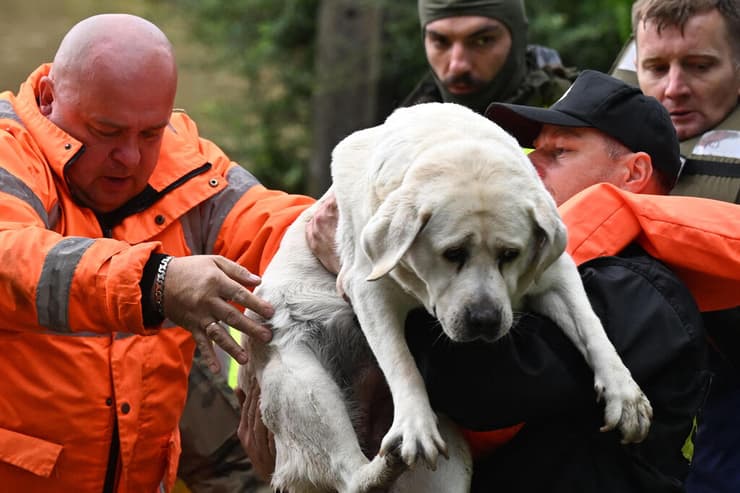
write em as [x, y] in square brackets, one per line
[202, 225]
[119, 335]
[52, 295]
[74, 334]
[7, 111]
[11, 185]
[54, 215]
[165, 326]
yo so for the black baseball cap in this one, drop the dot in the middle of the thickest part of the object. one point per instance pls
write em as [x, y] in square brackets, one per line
[605, 103]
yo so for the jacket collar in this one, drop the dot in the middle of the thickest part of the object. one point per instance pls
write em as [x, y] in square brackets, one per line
[57, 146]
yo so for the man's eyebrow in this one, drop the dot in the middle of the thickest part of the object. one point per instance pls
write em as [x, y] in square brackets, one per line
[112, 124]
[487, 29]
[652, 58]
[566, 130]
[563, 131]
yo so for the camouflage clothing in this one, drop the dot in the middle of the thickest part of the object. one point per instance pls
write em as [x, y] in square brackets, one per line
[712, 167]
[543, 84]
[213, 459]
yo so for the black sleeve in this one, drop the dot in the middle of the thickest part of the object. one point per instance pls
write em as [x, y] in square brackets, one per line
[535, 373]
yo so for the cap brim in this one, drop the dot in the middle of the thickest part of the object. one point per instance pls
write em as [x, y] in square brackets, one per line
[525, 122]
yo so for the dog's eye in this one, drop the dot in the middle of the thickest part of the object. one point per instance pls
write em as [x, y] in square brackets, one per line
[508, 255]
[457, 255]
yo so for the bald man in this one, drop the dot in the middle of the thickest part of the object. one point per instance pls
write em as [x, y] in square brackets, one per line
[126, 241]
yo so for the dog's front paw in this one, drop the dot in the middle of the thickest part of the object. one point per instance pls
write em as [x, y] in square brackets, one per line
[626, 406]
[413, 436]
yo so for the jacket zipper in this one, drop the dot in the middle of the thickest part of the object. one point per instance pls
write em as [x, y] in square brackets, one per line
[143, 201]
[107, 221]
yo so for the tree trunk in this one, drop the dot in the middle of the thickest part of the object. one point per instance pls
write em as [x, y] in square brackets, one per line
[347, 73]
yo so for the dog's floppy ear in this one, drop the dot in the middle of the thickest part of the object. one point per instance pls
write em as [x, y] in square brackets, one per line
[549, 240]
[391, 231]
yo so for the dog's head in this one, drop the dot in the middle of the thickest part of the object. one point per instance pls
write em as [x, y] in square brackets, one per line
[468, 232]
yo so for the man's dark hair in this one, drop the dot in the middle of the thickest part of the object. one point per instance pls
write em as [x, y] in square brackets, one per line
[676, 13]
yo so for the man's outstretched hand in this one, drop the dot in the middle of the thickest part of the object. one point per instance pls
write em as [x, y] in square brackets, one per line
[198, 295]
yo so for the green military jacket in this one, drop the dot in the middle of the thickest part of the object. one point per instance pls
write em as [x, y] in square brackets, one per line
[712, 166]
[543, 84]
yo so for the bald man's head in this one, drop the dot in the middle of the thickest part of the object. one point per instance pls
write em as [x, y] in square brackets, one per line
[112, 87]
[122, 47]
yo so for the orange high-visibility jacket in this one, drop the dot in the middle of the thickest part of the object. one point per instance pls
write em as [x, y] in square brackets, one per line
[699, 239]
[75, 353]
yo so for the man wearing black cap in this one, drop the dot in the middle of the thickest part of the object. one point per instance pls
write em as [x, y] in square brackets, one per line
[602, 130]
[477, 52]
[622, 137]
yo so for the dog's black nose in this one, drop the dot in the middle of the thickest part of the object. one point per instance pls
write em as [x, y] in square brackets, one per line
[482, 318]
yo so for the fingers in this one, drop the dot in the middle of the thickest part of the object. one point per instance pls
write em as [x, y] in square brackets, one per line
[252, 328]
[236, 272]
[240, 396]
[237, 291]
[198, 291]
[256, 439]
[206, 350]
[218, 332]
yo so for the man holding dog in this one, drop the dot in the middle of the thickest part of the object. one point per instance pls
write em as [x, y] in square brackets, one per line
[127, 240]
[477, 52]
[586, 138]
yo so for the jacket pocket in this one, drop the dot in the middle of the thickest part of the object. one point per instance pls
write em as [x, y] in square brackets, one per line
[32, 454]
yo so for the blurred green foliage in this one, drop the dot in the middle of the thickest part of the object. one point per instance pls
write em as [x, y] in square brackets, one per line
[271, 44]
[588, 34]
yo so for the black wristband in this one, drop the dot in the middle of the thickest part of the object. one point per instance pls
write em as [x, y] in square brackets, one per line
[148, 308]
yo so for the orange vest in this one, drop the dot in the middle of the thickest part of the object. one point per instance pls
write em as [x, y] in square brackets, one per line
[699, 239]
[76, 356]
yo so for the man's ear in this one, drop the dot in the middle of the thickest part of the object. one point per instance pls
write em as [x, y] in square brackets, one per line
[639, 169]
[46, 94]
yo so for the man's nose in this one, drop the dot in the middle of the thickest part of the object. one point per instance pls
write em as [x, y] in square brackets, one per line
[675, 83]
[127, 152]
[539, 161]
[459, 59]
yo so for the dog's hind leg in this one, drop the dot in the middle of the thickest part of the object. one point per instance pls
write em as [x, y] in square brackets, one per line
[315, 442]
